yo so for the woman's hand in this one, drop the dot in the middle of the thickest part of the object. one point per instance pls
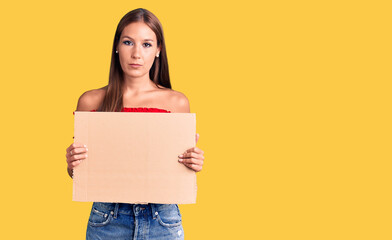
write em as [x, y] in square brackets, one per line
[76, 152]
[193, 157]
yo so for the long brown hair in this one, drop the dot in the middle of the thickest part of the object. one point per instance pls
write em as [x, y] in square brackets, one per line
[159, 72]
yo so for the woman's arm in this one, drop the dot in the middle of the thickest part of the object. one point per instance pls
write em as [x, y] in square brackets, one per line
[76, 153]
[193, 158]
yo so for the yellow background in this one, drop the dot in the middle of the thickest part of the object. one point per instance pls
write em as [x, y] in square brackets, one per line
[293, 110]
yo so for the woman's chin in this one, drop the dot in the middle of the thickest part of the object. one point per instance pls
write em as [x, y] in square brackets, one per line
[133, 74]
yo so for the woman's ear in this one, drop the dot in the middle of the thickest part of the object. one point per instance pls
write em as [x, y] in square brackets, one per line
[158, 51]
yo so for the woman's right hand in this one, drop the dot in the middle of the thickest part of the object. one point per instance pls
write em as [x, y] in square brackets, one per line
[76, 152]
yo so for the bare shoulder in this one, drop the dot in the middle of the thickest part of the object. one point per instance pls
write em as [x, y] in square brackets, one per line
[179, 102]
[90, 100]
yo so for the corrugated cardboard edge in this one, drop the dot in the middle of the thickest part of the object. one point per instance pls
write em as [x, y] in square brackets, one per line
[83, 119]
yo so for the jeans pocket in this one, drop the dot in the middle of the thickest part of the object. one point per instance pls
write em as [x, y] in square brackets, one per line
[169, 215]
[99, 217]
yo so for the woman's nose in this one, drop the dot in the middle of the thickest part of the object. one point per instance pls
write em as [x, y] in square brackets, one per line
[135, 52]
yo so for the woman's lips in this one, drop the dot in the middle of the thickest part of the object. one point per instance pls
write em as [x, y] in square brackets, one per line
[135, 65]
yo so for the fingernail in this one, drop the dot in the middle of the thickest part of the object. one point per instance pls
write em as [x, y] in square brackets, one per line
[86, 155]
[180, 160]
[86, 149]
[180, 155]
[85, 145]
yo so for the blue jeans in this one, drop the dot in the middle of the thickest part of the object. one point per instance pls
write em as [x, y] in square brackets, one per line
[117, 221]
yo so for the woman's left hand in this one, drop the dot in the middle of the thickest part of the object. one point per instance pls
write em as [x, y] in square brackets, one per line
[193, 157]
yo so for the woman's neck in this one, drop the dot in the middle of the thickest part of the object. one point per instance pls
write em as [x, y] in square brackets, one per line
[137, 85]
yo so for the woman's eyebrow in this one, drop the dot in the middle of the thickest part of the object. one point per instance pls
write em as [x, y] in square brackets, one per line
[147, 39]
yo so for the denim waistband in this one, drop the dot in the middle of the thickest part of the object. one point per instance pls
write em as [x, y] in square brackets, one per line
[130, 209]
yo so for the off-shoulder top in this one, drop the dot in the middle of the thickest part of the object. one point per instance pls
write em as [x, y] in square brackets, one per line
[138, 109]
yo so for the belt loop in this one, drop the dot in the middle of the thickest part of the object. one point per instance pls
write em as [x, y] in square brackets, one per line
[153, 210]
[116, 210]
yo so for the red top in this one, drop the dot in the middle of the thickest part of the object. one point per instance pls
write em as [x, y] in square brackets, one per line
[138, 109]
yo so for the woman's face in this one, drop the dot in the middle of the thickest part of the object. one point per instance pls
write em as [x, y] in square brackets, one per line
[137, 45]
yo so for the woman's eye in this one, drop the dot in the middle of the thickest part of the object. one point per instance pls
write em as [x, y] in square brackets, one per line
[148, 45]
[126, 42]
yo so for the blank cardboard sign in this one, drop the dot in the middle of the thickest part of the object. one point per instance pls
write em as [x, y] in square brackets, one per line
[133, 157]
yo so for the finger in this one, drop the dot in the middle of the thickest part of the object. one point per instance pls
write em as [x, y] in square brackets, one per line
[191, 155]
[77, 157]
[70, 147]
[188, 155]
[194, 149]
[76, 145]
[74, 164]
[78, 150]
[192, 161]
[194, 167]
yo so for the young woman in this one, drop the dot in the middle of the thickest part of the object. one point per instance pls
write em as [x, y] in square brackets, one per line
[138, 81]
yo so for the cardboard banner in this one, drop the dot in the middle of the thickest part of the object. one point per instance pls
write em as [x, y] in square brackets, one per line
[133, 157]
